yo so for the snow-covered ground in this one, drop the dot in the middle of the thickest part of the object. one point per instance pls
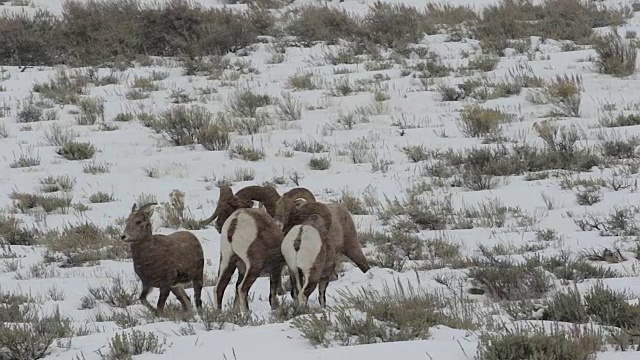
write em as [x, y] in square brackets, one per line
[141, 161]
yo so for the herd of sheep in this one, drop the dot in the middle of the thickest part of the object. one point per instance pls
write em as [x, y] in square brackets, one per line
[293, 230]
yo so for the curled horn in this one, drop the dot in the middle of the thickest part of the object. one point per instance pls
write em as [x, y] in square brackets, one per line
[225, 194]
[299, 193]
[266, 195]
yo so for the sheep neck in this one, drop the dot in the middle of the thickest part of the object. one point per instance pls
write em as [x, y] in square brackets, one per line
[141, 245]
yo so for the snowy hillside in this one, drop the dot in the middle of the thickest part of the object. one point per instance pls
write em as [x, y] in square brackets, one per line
[488, 151]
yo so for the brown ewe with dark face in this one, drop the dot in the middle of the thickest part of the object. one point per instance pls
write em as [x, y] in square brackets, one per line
[164, 261]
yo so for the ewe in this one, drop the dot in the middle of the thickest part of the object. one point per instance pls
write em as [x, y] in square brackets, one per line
[164, 261]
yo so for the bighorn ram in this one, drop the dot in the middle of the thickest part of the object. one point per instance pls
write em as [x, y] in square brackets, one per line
[342, 230]
[250, 241]
[265, 195]
[164, 261]
[310, 252]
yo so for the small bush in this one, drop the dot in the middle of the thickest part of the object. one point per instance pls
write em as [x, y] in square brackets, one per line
[245, 103]
[621, 221]
[620, 120]
[521, 344]
[91, 110]
[101, 197]
[57, 135]
[504, 280]
[393, 314]
[288, 108]
[85, 243]
[95, 168]
[122, 31]
[589, 195]
[176, 214]
[564, 93]
[416, 153]
[616, 56]
[33, 337]
[320, 163]
[49, 203]
[187, 125]
[519, 159]
[311, 146]
[214, 137]
[30, 112]
[118, 294]
[322, 23]
[74, 150]
[302, 81]
[600, 304]
[476, 121]
[554, 19]
[126, 345]
[611, 308]
[484, 62]
[57, 183]
[25, 159]
[395, 25]
[246, 152]
[63, 89]
[214, 319]
[13, 232]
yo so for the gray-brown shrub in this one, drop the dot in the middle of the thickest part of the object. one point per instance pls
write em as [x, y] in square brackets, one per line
[99, 32]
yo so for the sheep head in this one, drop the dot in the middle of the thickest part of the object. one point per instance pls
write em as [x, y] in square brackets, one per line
[289, 202]
[266, 195]
[138, 223]
[313, 213]
[243, 199]
[227, 204]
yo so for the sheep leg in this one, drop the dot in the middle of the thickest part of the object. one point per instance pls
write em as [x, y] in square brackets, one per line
[355, 254]
[241, 274]
[164, 294]
[143, 297]
[182, 296]
[198, 283]
[275, 284]
[281, 291]
[322, 292]
[304, 288]
[223, 281]
[253, 272]
[295, 284]
[242, 271]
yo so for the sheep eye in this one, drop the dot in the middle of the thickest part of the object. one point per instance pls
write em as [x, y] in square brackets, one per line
[138, 222]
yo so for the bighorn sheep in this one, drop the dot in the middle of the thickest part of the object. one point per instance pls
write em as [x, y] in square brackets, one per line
[310, 253]
[164, 261]
[342, 230]
[265, 195]
[250, 241]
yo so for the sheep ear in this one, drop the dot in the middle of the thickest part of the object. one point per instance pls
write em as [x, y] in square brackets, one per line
[135, 206]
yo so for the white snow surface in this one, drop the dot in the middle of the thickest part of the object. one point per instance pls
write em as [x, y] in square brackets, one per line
[132, 148]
